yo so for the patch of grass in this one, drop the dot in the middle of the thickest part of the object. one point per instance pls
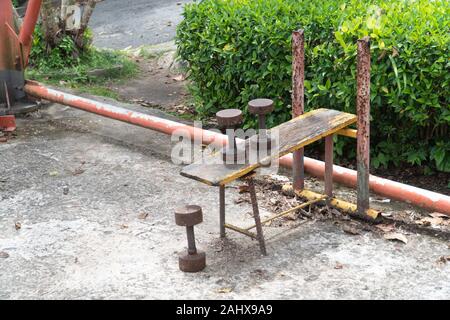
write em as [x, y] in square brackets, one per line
[97, 67]
[93, 74]
[185, 116]
[152, 52]
[86, 69]
[149, 54]
[96, 91]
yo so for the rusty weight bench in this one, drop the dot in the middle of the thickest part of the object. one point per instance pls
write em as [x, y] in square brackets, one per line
[293, 135]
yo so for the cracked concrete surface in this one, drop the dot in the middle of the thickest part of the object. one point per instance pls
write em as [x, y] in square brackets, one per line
[93, 243]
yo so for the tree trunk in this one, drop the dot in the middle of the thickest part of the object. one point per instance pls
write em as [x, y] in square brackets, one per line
[66, 17]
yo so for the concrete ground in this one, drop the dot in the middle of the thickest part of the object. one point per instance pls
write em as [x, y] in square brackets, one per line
[118, 24]
[113, 234]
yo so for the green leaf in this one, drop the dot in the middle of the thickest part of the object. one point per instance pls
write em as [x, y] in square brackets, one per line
[394, 67]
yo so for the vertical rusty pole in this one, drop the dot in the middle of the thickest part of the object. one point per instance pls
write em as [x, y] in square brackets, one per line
[363, 111]
[298, 102]
[222, 210]
[328, 177]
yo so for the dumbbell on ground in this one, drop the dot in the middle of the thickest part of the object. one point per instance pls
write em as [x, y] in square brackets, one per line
[229, 120]
[193, 260]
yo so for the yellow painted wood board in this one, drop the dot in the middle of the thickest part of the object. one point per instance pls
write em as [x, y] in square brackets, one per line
[293, 135]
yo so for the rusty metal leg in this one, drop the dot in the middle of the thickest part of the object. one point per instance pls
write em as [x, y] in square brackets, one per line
[363, 111]
[329, 166]
[298, 170]
[222, 211]
[259, 231]
[298, 102]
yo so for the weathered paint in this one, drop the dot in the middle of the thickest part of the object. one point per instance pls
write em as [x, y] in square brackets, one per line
[7, 123]
[363, 112]
[298, 101]
[293, 135]
[351, 133]
[384, 187]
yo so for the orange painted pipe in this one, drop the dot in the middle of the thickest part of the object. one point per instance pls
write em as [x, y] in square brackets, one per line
[6, 41]
[29, 23]
[420, 197]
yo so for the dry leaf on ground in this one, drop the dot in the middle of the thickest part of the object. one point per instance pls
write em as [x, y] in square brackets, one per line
[287, 190]
[429, 221]
[143, 215]
[351, 230]
[224, 290]
[386, 227]
[396, 236]
[179, 78]
[439, 215]
[78, 171]
[444, 259]
[243, 189]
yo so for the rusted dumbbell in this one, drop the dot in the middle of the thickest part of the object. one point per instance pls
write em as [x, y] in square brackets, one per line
[264, 141]
[193, 260]
[261, 107]
[229, 120]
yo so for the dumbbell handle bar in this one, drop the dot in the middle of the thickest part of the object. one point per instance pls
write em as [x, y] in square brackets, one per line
[191, 240]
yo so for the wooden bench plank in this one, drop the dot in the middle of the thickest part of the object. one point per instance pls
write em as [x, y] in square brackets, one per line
[293, 135]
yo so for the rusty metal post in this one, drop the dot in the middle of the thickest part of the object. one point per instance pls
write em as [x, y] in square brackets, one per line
[222, 210]
[363, 111]
[298, 102]
[329, 166]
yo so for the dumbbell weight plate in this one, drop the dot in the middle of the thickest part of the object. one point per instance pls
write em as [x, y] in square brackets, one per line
[229, 118]
[260, 106]
[187, 216]
[192, 262]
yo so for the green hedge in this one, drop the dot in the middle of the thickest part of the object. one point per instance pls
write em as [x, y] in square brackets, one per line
[238, 50]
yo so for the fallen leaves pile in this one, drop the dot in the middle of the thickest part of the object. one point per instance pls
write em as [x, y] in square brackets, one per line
[276, 195]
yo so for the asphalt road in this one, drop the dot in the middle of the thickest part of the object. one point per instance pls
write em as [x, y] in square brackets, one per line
[119, 24]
